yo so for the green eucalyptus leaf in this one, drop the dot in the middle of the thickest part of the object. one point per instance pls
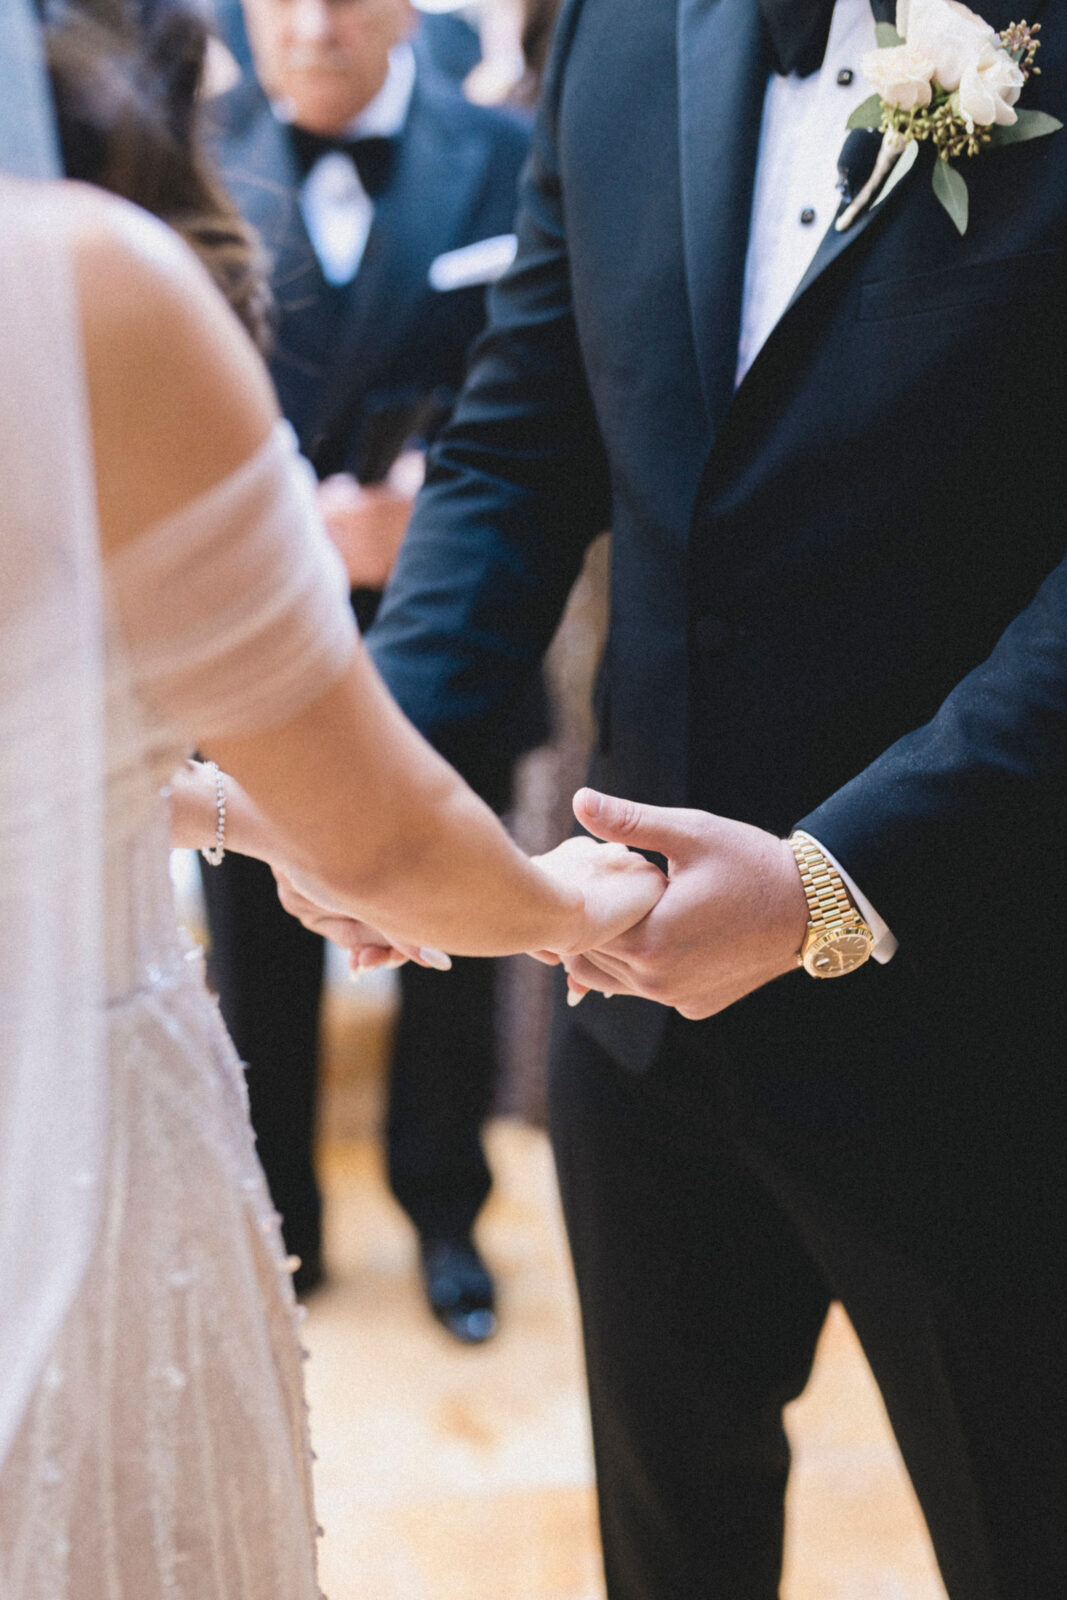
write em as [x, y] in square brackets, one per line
[887, 36]
[868, 115]
[903, 165]
[951, 190]
[1030, 125]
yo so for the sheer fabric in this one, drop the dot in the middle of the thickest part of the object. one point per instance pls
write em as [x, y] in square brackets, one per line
[53, 1086]
[157, 1443]
[219, 606]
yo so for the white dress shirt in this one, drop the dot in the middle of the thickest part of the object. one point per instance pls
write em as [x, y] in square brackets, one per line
[795, 200]
[795, 197]
[336, 208]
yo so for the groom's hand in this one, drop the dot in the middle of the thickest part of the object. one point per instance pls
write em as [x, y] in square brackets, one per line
[733, 915]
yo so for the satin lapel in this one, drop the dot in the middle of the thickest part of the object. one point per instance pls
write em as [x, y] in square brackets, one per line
[722, 64]
[835, 244]
[421, 214]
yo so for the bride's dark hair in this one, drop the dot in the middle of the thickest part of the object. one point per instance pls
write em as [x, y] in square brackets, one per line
[125, 77]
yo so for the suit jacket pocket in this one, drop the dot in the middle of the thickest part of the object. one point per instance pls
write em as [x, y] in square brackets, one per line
[1009, 278]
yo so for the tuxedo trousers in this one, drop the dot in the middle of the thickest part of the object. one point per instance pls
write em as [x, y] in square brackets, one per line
[846, 1140]
[268, 971]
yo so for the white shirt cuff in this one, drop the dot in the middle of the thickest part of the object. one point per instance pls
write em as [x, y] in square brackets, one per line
[885, 944]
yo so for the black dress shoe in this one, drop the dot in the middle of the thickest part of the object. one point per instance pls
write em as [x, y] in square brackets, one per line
[459, 1288]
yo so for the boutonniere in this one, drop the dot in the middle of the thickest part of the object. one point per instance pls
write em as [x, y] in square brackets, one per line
[945, 75]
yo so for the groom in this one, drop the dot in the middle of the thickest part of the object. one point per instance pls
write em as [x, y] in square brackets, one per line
[834, 467]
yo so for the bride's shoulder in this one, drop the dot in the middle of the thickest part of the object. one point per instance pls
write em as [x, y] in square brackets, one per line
[134, 272]
[104, 234]
[179, 397]
[136, 279]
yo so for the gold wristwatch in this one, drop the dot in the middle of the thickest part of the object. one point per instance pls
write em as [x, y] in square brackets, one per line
[838, 940]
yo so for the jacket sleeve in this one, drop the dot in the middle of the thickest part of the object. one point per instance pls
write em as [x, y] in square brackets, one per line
[517, 488]
[956, 831]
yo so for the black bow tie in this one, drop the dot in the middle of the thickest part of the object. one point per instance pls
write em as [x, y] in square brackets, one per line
[373, 157]
[799, 30]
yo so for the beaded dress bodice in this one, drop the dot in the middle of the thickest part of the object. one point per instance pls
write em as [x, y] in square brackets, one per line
[164, 1453]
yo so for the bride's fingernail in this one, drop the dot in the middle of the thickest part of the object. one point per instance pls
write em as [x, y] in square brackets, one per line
[575, 996]
[436, 959]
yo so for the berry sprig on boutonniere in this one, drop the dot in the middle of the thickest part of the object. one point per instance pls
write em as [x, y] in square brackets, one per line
[945, 75]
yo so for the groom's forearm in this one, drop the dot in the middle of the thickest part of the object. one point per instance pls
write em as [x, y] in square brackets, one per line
[518, 486]
[972, 797]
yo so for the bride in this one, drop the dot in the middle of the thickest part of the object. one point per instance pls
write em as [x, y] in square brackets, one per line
[165, 584]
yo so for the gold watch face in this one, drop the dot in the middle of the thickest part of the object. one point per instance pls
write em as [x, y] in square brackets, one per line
[838, 951]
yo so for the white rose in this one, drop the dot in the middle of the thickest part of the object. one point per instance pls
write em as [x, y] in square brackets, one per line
[900, 75]
[950, 34]
[989, 88]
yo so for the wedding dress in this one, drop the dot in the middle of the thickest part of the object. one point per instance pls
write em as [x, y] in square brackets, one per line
[156, 1441]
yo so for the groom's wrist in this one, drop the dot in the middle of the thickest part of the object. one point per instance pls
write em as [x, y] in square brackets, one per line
[837, 940]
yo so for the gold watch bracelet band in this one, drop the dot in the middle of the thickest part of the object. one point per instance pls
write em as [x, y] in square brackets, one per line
[828, 900]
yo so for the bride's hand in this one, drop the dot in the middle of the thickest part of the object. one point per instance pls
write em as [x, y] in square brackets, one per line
[367, 947]
[618, 887]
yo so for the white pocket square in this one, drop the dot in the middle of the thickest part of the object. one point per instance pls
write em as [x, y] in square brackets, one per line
[473, 264]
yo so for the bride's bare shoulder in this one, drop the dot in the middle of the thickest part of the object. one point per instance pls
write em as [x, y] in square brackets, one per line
[114, 244]
[179, 398]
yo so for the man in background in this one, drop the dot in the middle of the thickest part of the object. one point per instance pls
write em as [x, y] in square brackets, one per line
[385, 201]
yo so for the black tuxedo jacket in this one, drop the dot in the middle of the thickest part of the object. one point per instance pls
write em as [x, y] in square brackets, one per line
[838, 593]
[387, 339]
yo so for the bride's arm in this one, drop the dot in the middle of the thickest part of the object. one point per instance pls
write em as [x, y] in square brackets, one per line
[425, 859]
[192, 796]
[354, 798]
[193, 799]
[366, 813]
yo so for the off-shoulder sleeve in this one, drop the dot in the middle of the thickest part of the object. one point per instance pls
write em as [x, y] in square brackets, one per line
[234, 612]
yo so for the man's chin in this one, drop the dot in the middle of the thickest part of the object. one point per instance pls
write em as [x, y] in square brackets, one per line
[323, 117]
[321, 102]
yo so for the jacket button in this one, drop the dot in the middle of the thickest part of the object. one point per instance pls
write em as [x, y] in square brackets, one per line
[714, 634]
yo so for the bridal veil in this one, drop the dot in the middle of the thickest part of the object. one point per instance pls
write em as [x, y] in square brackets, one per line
[52, 1076]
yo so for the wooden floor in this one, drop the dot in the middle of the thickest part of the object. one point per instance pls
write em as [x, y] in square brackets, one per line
[464, 1474]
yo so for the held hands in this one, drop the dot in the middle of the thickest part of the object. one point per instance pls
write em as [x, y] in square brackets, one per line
[617, 888]
[732, 918]
[600, 890]
[729, 917]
